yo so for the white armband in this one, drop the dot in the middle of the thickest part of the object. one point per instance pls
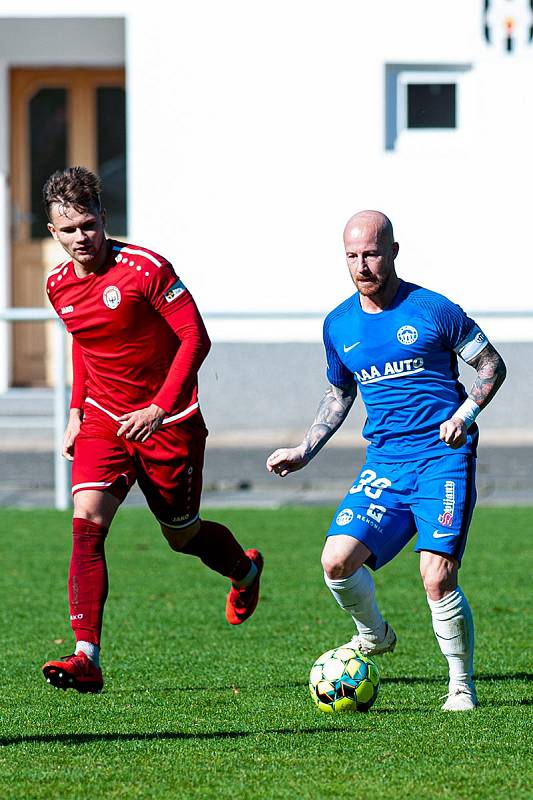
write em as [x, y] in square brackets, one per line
[468, 411]
[472, 345]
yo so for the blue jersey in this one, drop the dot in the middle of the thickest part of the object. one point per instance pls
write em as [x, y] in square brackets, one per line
[404, 360]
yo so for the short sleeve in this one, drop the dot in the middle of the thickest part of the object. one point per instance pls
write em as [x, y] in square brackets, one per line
[453, 324]
[336, 372]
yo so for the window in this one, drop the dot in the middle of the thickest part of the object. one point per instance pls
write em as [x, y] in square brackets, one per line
[47, 122]
[431, 105]
[430, 100]
[111, 150]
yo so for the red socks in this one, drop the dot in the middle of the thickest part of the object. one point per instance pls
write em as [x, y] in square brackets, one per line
[87, 580]
[219, 550]
[214, 544]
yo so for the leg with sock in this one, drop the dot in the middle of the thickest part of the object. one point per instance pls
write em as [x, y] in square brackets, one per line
[356, 595]
[87, 582]
[352, 586]
[454, 629]
[87, 589]
[218, 549]
[453, 626]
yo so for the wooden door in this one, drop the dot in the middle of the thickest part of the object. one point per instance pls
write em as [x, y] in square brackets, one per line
[59, 118]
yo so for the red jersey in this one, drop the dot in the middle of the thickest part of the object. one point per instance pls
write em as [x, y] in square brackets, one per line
[138, 337]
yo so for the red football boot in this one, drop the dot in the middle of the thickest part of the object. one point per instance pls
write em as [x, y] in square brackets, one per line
[241, 603]
[74, 672]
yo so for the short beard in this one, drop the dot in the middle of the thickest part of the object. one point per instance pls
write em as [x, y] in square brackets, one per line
[369, 289]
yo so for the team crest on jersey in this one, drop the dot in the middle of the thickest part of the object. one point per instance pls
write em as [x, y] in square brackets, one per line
[407, 334]
[175, 290]
[112, 297]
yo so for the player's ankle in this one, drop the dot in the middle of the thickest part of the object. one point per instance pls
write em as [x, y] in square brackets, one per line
[92, 651]
[247, 579]
[374, 635]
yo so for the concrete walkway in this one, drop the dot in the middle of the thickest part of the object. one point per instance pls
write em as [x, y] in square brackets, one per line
[236, 476]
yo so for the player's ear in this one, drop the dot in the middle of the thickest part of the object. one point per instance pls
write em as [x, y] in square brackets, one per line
[52, 230]
[395, 249]
[103, 216]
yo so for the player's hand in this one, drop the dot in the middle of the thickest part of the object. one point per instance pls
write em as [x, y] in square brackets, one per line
[287, 460]
[71, 432]
[139, 425]
[453, 432]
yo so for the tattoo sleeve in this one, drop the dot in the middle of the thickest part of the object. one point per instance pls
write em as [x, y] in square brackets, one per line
[331, 413]
[491, 372]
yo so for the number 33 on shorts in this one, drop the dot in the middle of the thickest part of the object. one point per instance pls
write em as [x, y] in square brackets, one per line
[369, 513]
[372, 486]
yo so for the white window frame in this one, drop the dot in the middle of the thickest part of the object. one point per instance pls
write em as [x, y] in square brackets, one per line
[435, 138]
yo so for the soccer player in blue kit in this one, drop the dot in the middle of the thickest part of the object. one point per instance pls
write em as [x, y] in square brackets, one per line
[398, 343]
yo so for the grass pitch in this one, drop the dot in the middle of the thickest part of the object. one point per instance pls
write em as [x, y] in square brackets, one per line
[195, 708]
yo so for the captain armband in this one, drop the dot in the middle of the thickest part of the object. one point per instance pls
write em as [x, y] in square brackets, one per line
[468, 411]
[472, 345]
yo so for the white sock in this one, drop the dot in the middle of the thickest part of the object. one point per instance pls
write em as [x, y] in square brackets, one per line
[248, 579]
[356, 595]
[92, 651]
[452, 622]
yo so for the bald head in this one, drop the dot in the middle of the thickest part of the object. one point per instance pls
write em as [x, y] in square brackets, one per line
[370, 253]
[373, 223]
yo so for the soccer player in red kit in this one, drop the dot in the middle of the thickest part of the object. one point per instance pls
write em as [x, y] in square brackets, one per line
[138, 342]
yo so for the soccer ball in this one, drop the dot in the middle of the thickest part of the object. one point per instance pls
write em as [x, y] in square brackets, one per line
[344, 679]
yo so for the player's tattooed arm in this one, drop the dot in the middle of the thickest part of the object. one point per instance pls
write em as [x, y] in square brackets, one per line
[331, 413]
[491, 372]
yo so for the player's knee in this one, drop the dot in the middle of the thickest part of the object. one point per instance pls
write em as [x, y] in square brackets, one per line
[179, 538]
[95, 506]
[439, 574]
[335, 566]
[342, 556]
[98, 516]
[438, 584]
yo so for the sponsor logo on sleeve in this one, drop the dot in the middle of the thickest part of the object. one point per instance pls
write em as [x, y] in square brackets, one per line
[407, 334]
[175, 290]
[67, 309]
[112, 297]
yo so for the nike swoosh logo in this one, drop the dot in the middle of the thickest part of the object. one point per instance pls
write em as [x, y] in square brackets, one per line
[439, 535]
[350, 347]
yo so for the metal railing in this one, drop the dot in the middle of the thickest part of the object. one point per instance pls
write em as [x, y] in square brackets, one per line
[62, 497]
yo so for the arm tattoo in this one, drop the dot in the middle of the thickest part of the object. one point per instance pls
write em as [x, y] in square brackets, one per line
[491, 374]
[331, 413]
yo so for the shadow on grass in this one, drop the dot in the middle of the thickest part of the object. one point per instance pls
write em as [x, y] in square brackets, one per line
[399, 679]
[87, 738]
[489, 677]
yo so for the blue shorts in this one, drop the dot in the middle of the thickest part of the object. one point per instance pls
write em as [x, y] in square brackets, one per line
[388, 503]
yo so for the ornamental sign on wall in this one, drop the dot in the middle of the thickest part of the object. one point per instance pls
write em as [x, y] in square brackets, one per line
[508, 24]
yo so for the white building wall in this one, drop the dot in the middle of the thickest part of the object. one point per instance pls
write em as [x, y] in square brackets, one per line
[256, 129]
[273, 135]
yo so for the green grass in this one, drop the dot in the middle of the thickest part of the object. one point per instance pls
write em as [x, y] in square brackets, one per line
[195, 708]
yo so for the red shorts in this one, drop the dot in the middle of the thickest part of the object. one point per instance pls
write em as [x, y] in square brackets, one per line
[168, 466]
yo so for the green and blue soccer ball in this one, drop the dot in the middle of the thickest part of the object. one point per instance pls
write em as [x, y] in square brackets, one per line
[344, 679]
